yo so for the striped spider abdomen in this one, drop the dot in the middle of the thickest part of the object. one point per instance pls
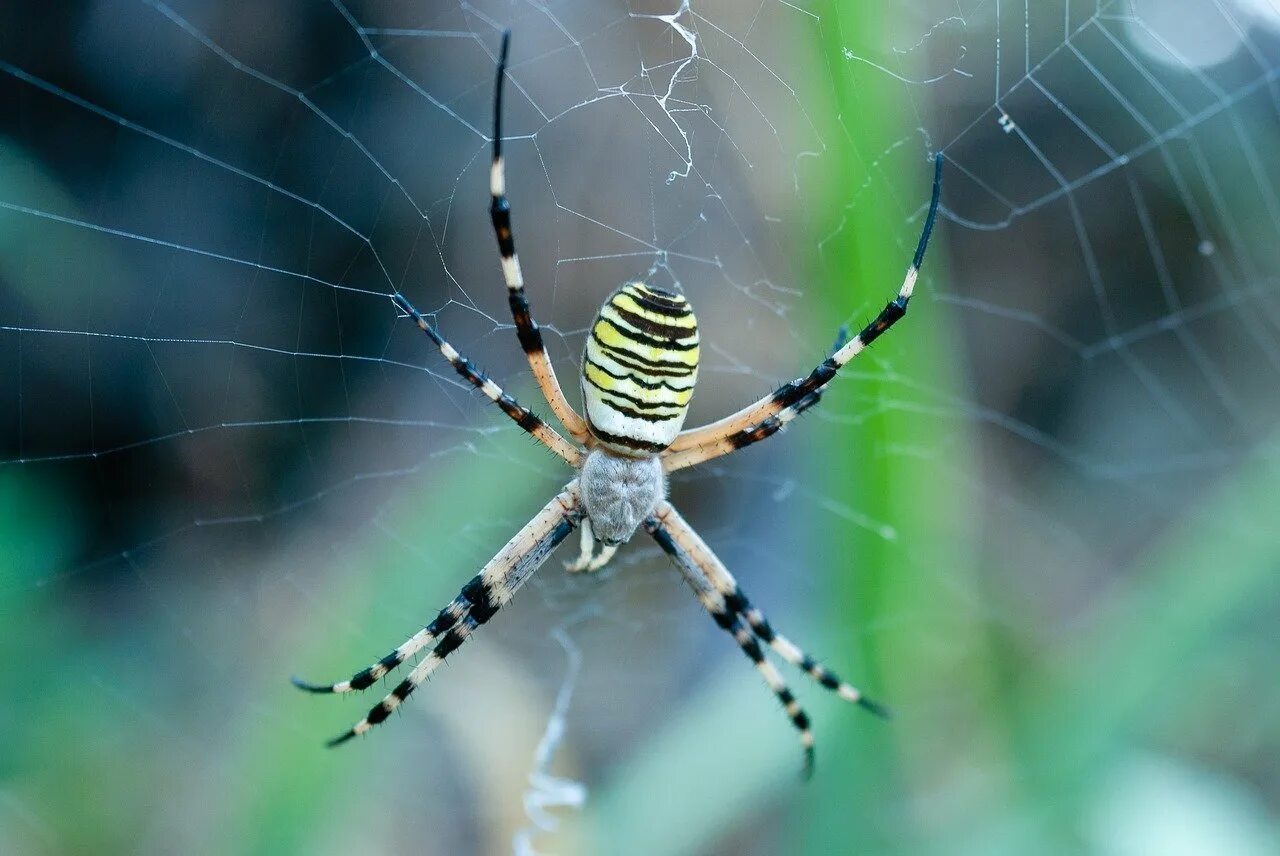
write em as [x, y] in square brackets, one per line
[639, 369]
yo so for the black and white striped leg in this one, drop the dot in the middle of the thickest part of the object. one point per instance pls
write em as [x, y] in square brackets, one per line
[717, 607]
[448, 644]
[448, 617]
[526, 328]
[519, 414]
[769, 426]
[736, 600]
[487, 592]
[793, 654]
[753, 424]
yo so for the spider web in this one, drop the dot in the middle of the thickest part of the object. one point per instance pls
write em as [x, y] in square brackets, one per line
[250, 465]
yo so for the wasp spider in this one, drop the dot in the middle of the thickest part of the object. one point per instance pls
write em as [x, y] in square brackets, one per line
[638, 374]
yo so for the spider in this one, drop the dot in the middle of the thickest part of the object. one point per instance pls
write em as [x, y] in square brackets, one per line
[638, 373]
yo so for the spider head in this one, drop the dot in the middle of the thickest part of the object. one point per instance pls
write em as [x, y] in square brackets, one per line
[639, 368]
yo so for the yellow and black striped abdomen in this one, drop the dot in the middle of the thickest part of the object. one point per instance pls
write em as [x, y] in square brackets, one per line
[639, 369]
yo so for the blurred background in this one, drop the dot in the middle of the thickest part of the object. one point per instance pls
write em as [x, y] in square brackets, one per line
[1038, 519]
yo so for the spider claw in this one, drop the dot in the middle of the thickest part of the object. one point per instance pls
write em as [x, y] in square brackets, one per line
[875, 707]
[340, 739]
[311, 688]
[807, 773]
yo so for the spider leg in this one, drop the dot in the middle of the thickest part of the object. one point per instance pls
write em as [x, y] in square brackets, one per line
[736, 600]
[687, 556]
[764, 418]
[486, 593]
[522, 416]
[448, 617]
[526, 328]
[380, 711]
[793, 654]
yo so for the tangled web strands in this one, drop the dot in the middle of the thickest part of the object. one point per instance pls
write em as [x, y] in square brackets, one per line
[203, 214]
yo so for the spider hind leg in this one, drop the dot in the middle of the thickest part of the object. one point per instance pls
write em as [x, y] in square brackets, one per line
[367, 677]
[687, 556]
[721, 596]
[479, 601]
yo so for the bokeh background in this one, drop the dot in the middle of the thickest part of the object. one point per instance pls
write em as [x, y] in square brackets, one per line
[1038, 519]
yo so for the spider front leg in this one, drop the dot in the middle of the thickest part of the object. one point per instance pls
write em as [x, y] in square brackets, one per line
[522, 416]
[770, 414]
[478, 602]
[526, 328]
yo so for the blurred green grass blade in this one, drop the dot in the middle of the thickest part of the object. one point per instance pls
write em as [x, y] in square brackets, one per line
[903, 461]
[891, 522]
[1130, 666]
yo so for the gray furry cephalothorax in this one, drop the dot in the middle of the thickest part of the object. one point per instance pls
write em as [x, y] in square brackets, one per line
[618, 493]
